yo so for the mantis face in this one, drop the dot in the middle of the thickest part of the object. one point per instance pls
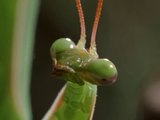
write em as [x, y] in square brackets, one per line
[94, 70]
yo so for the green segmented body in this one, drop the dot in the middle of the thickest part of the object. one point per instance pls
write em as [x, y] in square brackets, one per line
[77, 102]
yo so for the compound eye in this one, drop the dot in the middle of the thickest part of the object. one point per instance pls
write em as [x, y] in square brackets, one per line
[61, 45]
[103, 71]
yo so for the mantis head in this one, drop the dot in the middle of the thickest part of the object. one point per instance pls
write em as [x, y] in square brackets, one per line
[101, 71]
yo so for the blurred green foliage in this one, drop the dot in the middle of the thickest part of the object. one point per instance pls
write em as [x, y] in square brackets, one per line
[7, 12]
[16, 88]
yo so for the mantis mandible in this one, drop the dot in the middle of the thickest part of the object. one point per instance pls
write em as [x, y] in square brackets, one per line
[83, 70]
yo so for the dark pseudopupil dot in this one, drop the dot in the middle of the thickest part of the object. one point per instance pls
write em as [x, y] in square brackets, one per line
[103, 79]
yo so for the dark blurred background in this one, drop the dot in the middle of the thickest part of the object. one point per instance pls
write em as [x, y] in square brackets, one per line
[128, 34]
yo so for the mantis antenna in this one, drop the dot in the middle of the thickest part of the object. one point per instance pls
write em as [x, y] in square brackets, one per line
[82, 41]
[92, 48]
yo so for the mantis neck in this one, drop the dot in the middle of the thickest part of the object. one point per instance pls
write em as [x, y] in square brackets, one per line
[77, 102]
[74, 102]
[76, 95]
[80, 99]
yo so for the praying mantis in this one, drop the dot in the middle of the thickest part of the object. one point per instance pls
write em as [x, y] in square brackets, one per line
[83, 71]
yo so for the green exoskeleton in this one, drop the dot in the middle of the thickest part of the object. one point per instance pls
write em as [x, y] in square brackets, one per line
[83, 70]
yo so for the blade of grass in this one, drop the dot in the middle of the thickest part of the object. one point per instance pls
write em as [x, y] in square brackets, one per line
[17, 23]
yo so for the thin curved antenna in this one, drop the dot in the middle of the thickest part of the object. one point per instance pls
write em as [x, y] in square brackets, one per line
[92, 48]
[82, 41]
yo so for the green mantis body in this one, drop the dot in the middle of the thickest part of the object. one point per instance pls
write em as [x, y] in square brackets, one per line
[74, 102]
[83, 70]
[73, 64]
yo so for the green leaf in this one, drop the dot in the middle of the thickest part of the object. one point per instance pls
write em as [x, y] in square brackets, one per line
[17, 24]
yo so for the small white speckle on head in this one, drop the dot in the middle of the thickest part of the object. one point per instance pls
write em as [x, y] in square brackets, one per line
[78, 60]
[72, 46]
[68, 39]
[90, 93]
[111, 66]
[106, 59]
[90, 88]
